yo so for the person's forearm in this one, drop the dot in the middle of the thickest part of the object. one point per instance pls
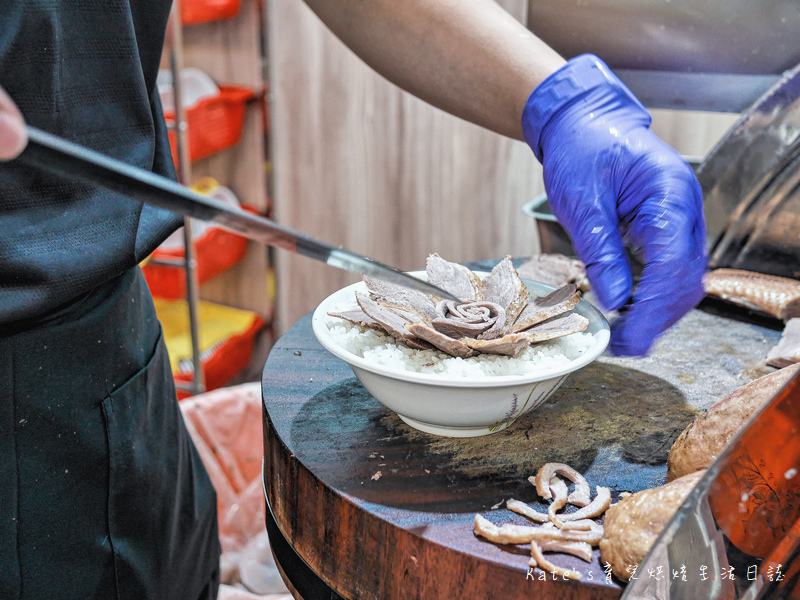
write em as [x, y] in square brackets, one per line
[468, 57]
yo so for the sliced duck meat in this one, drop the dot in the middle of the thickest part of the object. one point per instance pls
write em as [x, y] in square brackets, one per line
[546, 307]
[452, 346]
[504, 287]
[392, 319]
[787, 351]
[549, 330]
[357, 316]
[776, 296]
[454, 278]
[392, 293]
[508, 345]
[555, 269]
[469, 319]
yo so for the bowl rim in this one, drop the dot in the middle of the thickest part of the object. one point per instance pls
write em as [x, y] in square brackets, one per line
[322, 333]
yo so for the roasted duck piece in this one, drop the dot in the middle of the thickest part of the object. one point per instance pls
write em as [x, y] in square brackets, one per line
[633, 524]
[775, 296]
[701, 442]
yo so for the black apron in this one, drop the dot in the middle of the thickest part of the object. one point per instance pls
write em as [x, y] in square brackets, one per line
[102, 493]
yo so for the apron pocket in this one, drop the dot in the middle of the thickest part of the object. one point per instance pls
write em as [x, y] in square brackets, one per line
[161, 505]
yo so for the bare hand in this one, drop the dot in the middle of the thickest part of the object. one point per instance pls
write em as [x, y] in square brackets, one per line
[12, 128]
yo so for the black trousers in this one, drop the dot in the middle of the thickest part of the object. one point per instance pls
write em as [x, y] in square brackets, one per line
[102, 493]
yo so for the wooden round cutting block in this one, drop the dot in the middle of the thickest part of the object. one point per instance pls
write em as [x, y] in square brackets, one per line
[360, 505]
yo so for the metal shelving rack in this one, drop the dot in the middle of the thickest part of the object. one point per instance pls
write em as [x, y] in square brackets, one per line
[174, 45]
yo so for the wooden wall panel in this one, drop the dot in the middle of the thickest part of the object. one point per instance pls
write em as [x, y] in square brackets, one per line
[360, 163]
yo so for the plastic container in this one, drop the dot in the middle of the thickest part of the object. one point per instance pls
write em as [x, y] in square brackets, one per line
[216, 249]
[225, 426]
[553, 239]
[214, 123]
[195, 86]
[202, 11]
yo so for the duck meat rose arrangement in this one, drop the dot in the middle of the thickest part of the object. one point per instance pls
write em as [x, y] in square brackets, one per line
[496, 314]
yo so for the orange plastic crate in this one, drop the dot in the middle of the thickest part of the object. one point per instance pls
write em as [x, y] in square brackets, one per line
[215, 251]
[203, 11]
[214, 123]
[225, 361]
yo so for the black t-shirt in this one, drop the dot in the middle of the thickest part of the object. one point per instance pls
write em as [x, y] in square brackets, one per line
[85, 70]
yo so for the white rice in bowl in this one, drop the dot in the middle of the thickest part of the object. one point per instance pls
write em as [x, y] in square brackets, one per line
[382, 349]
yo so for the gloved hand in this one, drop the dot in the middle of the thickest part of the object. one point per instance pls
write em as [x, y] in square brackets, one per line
[12, 128]
[609, 178]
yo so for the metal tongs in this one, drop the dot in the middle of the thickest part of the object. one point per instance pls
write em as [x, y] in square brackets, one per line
[65, 158]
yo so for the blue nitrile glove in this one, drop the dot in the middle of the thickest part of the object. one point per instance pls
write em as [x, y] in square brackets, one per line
[608, 177]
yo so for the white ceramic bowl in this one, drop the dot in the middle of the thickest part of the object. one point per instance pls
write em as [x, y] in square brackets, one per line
[457, 406]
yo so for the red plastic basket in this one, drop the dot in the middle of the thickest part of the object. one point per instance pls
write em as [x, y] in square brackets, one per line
[213, 123]
[215, 251]
[203, 11]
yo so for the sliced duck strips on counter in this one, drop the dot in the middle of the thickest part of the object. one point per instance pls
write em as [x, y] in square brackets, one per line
[540, 309]
[454, 278]
[580, 549]
[524, 534]
[776, 296]
[538, 560]
[787, 351]
[579, 497]
[504, 287]
[398, 295]
[633, 524]
[700, 443]
[571, 533]
[556, 270]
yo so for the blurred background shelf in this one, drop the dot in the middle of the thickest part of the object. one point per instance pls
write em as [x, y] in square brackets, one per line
[225, 139]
